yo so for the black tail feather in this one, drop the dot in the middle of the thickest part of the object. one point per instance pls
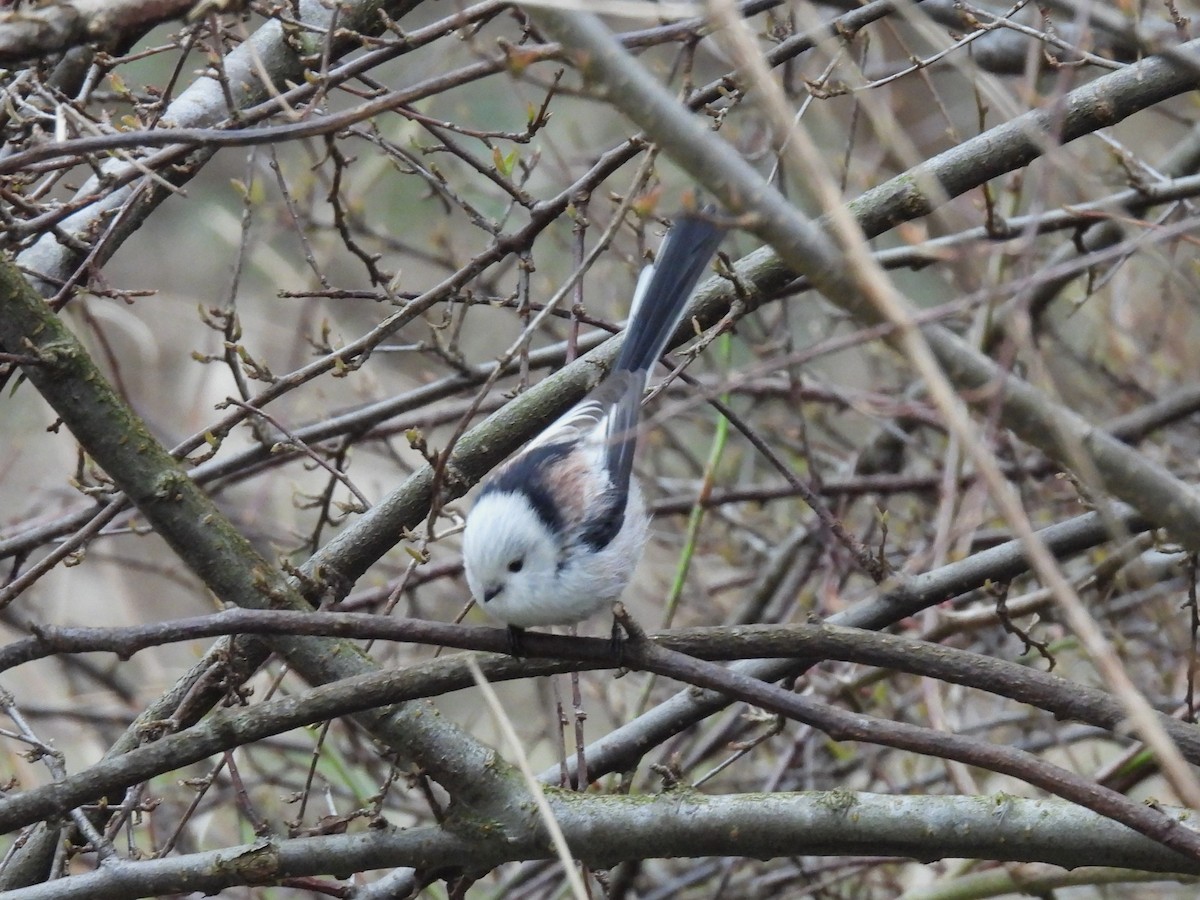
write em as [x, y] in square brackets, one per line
[682, 260]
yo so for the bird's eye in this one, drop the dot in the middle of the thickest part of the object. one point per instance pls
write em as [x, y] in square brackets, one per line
[516, 565]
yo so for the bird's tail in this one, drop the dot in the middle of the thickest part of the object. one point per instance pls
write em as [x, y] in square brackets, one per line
[658, 306]
[660, 301]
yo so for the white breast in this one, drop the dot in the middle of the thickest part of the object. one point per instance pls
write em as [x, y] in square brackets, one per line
[588, 582]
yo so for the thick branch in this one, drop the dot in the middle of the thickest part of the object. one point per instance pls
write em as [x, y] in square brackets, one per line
[603, 831]
[60, 26]
[190, 522]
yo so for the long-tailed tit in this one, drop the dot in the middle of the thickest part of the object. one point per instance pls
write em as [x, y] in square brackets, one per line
[559, 528]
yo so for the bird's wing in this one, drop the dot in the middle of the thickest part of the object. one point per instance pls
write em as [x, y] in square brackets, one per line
[586, 421]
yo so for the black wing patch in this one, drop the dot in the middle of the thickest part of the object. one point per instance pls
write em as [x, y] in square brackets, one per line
[526, 475]
[605, 523]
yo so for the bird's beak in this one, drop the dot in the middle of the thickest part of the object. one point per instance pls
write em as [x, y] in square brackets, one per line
[491, 592]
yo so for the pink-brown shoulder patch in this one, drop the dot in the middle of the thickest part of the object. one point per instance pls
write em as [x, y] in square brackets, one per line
[572, 485]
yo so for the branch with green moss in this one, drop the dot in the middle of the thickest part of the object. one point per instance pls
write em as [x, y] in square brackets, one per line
[190, 522]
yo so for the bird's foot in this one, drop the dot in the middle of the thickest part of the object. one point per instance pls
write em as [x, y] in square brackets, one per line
[627, 636]
[617, 641]
[516, 642]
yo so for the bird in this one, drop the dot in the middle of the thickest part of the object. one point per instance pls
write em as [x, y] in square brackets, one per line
[558, 529]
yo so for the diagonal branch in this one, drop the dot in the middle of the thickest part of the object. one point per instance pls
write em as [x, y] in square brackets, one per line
[191, 523]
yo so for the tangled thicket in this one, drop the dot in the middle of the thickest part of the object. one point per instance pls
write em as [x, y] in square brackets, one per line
[283, 280]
